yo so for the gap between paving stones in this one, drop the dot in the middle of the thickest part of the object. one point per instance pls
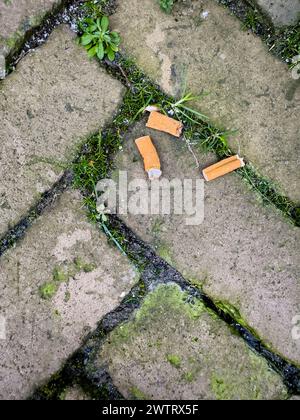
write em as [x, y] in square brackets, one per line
[121, 66]
[129, 242]
[146, 90]
[157, 92]
[154, 271]
[121, 76]
[64, 11]
[48, 198]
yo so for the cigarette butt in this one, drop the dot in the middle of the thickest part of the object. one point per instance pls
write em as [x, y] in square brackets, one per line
[223, 167]
[161, 122]
[150, 156]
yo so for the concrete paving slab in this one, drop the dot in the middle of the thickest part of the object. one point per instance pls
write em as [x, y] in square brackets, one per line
[249, 89]
[281, 12]
[174, 349]
[17, 17]
[54, 288]
[243, 254]
[55, 98]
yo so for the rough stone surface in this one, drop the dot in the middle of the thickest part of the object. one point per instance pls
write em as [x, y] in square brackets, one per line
[64, 249]
[282, 12]
[19, 16]
[249, 89]
[243, 253]
[55, 98]
[75, 393]
[174, 349]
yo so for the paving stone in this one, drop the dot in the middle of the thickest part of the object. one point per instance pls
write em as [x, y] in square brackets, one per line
[174, 349]
[282, 12]
[249, 89]
[55, 98]
[17, 17]
[75, 393]
[86, 278]
[243, 254]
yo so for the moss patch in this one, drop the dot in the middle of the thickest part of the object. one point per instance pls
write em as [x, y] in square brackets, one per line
[62, 274]
[174, 360]
[222, 389]
[48, 290]
[137, 394]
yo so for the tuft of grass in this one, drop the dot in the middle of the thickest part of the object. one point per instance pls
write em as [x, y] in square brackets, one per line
[286, 43]
[252, 20]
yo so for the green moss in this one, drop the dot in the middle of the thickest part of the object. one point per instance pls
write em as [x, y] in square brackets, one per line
[62, 274]
[83, 266]
[165, 253]
[174, 360]
[232, 311]
[137, 394]
[165, 299]
[189, 377]
[67, 296]
[48, 290]
[59, 275]
[196, 282]
[222, 389]
[169, 298]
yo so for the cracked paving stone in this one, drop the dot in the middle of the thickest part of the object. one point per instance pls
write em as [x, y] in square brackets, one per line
[243, 254]
[55, 98]
[249, 90]
[56, 284]
[174, 349]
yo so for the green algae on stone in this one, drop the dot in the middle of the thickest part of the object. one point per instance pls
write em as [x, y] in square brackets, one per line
[191, 355]
[222, 390]
[174, 360]
[62, 274]
[165, 253]
[137, 394]
[83, 266]
[189, 376]
[59, 274]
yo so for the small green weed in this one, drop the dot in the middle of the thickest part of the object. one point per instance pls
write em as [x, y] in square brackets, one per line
[167, 5]
[97, 39]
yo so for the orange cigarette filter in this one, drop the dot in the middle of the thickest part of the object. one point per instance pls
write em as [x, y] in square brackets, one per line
[223, 167]
[150, 156]
[161, 122]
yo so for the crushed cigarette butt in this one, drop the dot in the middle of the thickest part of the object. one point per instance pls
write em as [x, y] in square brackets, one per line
[223, 167]
[161, 122]
[150, 156]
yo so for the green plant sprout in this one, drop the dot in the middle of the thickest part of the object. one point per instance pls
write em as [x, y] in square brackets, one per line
[167, 5]
[97, 38]
[179, 107]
